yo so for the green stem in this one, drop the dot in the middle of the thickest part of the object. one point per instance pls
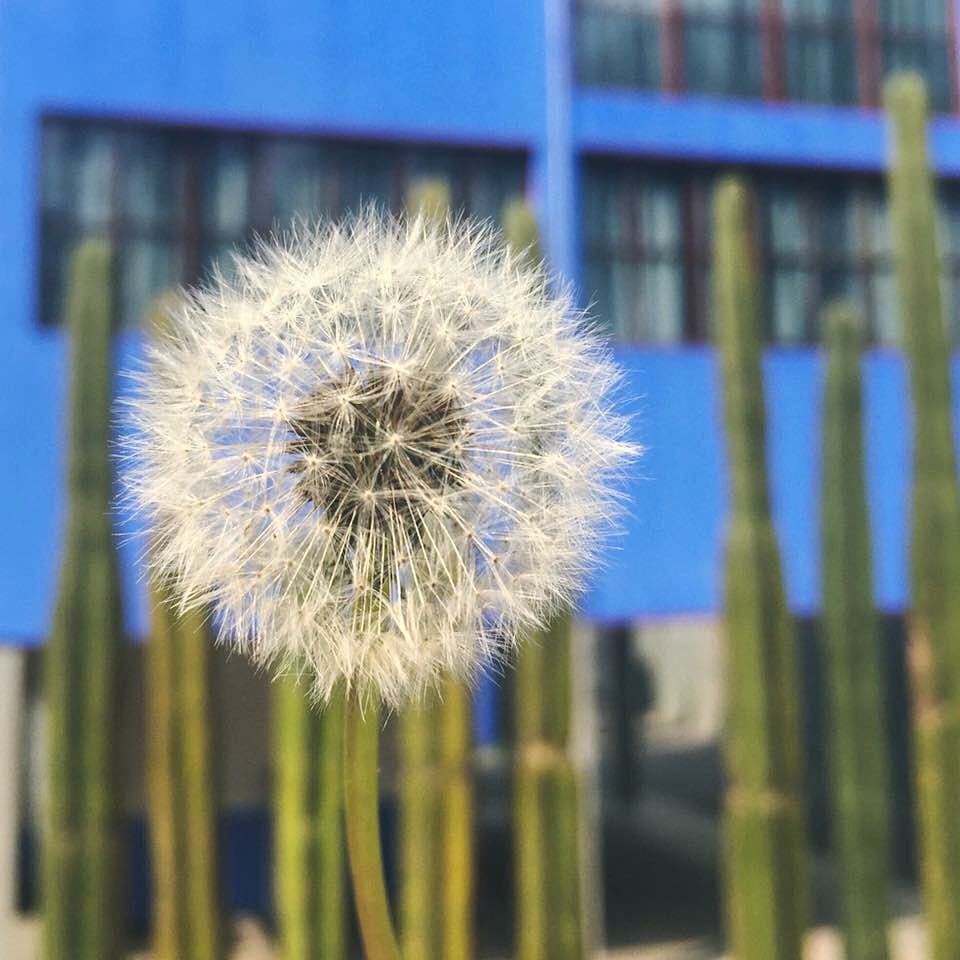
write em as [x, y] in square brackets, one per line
[419, 842]
[457, 800]
[360, 763]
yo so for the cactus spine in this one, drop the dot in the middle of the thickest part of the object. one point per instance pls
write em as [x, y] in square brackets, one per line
[309, 864]
[764, 829]
[179, 783]
[854, 664]
[549, 925]
[83, 917]
[934, 630]
[436, 754]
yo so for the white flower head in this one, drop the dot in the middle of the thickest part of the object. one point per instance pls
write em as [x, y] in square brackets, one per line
[380, 451]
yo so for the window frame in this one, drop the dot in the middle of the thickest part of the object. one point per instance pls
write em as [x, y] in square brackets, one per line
[867, 31]
[190, 143]
[861, 263]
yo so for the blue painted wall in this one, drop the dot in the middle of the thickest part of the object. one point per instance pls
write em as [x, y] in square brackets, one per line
[670, 559]
[453, 72]
[746, 132]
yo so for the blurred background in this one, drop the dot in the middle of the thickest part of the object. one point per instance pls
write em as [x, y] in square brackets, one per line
[175, 131]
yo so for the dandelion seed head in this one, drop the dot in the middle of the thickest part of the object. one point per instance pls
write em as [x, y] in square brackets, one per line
[381, 450]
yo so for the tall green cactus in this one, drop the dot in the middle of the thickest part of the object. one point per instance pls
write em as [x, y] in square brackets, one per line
[934, 629]
[765, 837]
[854, 656]
[83, 917]
[309, 868]
[180, 800]
[436, 754]
[419, 848]
[547, 836]
[181, 805]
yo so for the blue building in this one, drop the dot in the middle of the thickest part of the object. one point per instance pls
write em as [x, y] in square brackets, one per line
[176, 129]
[176, 132]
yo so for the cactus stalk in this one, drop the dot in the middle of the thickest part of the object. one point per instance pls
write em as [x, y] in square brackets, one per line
[764, 821]
[181, 803]
[83, 918]
[419, 849]
[456, 755]
[309, 866]
[549, 922]
[854, 656]
[181, 806]
[436, 755]
[934, 627]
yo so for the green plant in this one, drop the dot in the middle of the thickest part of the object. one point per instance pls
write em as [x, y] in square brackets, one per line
[934, 627]
[310, 878]
[82, 914]
[764, 823]
[547, 835]
[419, 850]
[456, 798]
[854, 655]
[436, 752]
[181, 804]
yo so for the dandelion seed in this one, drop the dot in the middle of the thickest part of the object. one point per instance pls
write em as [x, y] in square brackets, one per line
[381, 411]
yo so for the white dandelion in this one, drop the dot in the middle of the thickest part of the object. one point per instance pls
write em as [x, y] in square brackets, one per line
[380, 451]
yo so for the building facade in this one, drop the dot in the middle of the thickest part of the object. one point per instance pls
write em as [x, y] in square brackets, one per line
[177, 132]
[177, 129]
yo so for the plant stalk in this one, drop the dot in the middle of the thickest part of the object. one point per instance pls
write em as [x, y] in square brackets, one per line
[854, 655]
[934, 621]
[362, 813]
[765, 830]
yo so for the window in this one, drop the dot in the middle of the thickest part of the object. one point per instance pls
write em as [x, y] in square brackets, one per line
[916, 34]
[820, 46]
[821, 51]
[173, 201]
[820, 238]
[634, 256]
[618, 43]
[721, 47]
[950, 252]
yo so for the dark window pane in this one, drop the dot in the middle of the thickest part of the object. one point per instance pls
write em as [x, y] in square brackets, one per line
[58, 244]
[722, 47]
[174, 204]
[491, 185]
[790, 264]
[820, 50]
[839, 278]
[225, 188]
[303, 180]
[876, 250]
[367, 176]
[633, 228]
[949, 209]
[151, 189]
[618, 43]
[915, 34]
[146, 269]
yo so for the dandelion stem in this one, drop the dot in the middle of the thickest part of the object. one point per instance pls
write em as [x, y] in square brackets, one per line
[360, 763]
